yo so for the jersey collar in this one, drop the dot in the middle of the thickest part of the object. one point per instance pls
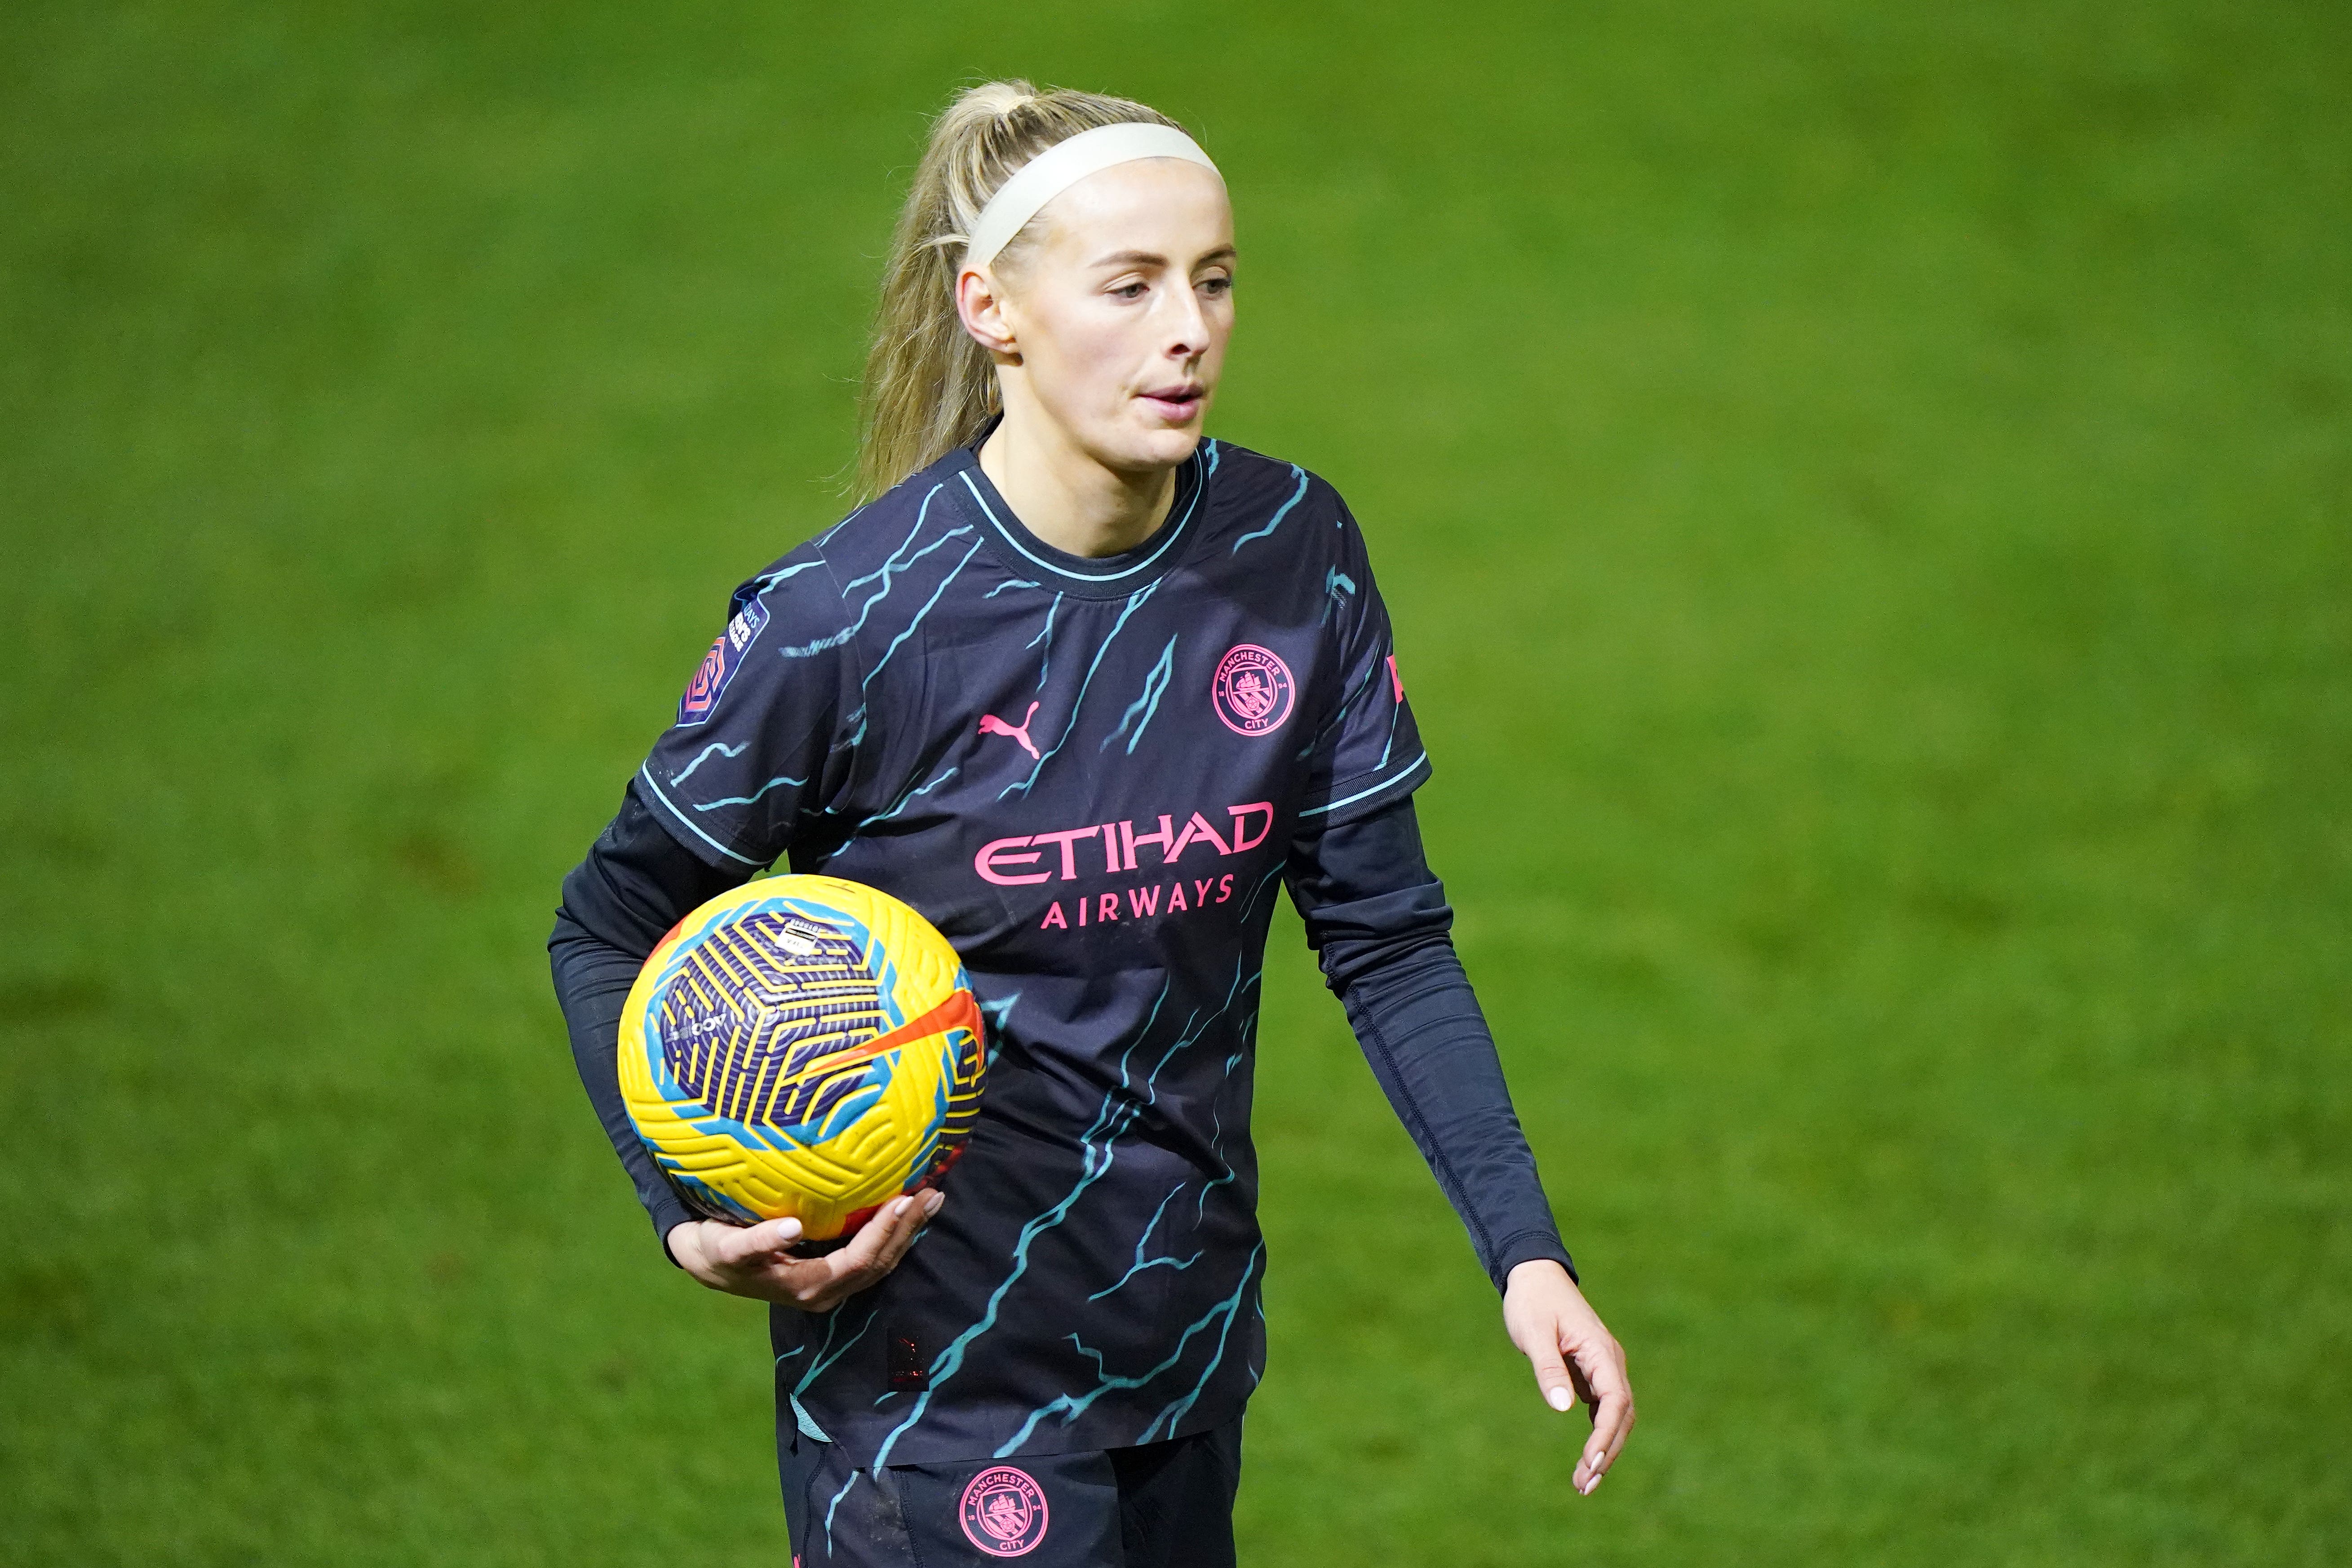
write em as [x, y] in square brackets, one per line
[1088, 576]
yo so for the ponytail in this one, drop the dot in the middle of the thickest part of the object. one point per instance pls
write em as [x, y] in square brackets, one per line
[929, 388]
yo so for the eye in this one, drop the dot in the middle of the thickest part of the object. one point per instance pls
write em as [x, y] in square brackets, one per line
[1130, 291]
[1218, 285]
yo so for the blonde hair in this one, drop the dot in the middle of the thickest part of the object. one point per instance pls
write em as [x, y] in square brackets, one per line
[929, 388]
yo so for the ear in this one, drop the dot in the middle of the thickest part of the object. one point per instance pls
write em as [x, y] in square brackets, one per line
[980, 307]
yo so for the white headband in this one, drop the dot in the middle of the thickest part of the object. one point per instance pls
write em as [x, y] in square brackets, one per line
[1064, 164]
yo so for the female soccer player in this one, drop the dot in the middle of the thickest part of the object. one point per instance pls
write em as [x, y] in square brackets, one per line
[1082, 687]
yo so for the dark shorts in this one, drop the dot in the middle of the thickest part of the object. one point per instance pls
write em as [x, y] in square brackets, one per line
[1161, 1505]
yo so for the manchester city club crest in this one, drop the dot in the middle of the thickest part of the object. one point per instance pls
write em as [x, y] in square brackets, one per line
[1003, 1511]
[1253, 691]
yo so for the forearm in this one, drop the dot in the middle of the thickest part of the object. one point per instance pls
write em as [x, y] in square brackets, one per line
[635, 885]
[1379, 919]
[591, 983]
[1421, 1028]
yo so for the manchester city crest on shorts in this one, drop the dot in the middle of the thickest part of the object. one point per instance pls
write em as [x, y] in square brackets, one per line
[719, 665]
[1003, 1511]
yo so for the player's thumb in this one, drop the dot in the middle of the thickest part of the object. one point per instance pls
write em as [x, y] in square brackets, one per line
[769, 1236]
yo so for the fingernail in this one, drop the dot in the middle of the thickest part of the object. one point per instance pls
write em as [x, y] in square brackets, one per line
[1559, 1398]
[932, 1203]
[791, 1227]
[900, 1207]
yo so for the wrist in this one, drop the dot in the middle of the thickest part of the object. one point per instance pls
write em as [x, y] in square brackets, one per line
[1538, 1272]
[682, 1242]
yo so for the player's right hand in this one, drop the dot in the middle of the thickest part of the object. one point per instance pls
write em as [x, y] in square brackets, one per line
[758, 1260]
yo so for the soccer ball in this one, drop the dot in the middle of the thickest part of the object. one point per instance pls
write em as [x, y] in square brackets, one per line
[802, 1047]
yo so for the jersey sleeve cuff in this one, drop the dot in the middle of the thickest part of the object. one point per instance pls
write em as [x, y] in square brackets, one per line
[668, 1213]
[1526, 1248]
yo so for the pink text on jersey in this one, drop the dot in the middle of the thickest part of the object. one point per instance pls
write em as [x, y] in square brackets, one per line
[1023, 861]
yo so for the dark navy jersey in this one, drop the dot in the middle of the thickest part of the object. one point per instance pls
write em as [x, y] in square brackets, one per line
[1087, 773]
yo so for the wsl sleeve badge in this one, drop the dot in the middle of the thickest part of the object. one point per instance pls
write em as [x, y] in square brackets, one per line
[748, 618]
[802, 1047]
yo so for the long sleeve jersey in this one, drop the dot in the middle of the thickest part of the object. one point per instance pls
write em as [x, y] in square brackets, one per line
[1089, 773]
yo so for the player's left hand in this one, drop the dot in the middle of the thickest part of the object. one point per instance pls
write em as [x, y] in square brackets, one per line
[1574, 1357]
[760, 1260]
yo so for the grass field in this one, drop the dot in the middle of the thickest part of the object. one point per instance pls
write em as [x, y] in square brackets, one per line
[1867, 494]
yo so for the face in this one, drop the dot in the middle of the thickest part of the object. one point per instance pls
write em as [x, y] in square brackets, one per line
[1112, 323]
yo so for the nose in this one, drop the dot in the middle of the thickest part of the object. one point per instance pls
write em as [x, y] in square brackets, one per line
[1187, 324]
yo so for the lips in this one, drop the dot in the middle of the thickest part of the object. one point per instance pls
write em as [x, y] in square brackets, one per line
[1179, 403]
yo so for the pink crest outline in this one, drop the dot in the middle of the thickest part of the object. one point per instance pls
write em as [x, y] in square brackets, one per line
[1253, 690]
[1003, 1511]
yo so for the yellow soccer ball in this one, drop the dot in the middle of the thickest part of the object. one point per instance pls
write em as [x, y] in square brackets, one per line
[802, 1047]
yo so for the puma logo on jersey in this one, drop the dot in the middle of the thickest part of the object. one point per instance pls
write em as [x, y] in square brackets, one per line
[990, 724]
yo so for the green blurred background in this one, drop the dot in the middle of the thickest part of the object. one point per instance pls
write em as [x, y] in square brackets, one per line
[1863, 492]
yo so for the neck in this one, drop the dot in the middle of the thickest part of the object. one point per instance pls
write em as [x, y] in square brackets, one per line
[1068, 498]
